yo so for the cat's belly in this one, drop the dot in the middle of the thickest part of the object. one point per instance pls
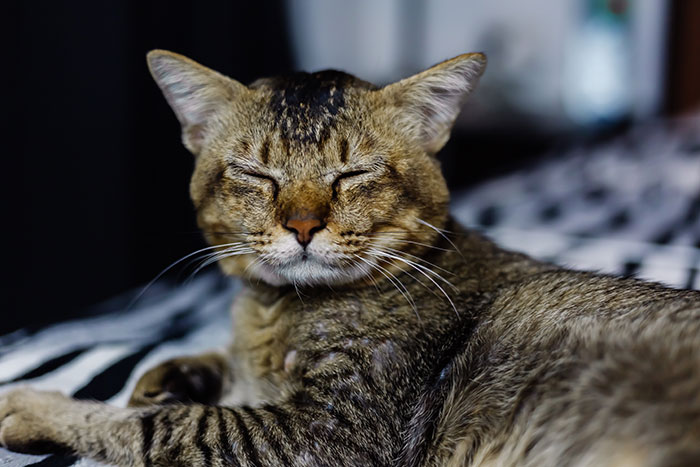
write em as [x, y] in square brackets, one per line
[509, 453]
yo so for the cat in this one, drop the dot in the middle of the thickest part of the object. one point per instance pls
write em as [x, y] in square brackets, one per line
[373, 328]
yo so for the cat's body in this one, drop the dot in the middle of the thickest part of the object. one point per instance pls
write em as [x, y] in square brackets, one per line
[470, 385]
[382, 333]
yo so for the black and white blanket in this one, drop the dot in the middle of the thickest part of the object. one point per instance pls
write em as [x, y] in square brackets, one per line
[628, 207]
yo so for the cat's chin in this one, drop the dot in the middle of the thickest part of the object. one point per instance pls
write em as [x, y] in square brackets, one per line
[307, 273]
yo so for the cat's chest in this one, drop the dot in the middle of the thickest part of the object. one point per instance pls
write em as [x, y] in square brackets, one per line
[260, 343]
[268, 334]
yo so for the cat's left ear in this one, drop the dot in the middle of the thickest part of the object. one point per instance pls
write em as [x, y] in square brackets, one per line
[195, 93]
[430, 101]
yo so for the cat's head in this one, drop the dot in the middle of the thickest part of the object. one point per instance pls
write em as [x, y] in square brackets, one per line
[316, 178]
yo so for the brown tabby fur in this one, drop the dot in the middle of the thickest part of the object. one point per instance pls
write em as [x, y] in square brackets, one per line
[355, 350]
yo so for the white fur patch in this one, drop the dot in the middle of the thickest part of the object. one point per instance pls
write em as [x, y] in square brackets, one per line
[286, 262]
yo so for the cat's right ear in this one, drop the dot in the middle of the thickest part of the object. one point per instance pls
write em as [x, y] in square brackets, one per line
[195, 93]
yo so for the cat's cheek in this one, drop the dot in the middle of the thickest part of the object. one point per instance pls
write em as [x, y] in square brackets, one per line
[236, 266]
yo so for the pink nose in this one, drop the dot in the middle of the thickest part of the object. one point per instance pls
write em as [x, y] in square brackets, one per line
[304, 227]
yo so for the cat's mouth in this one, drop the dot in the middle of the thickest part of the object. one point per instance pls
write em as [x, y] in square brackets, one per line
[308, 269]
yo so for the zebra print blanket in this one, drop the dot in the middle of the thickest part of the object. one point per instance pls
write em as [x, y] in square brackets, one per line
[630, 207]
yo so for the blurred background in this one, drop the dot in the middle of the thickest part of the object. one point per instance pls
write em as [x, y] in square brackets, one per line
[95, 180]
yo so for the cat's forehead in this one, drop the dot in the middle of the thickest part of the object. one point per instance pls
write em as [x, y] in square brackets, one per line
[305, 107]
[311, 86]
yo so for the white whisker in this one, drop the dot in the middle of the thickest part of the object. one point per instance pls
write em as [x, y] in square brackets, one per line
[296, 288]
[416, 267]
[381, 258]
[412, 242]
[417, 258]
[160, 274]
[439, 231]
[255, 262]
[395, 281]
[207, 256]
[228, 253]
[366, 274]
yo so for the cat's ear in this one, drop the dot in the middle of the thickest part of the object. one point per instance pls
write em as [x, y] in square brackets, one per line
[430, 101]
[194, 92]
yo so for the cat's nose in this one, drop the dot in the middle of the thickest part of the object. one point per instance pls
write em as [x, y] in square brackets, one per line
[305, 227]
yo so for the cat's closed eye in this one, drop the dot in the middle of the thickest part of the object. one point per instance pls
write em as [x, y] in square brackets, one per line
[345, 175]
[266, 178]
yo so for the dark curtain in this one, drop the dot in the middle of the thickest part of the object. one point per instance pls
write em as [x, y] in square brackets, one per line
[95, 180]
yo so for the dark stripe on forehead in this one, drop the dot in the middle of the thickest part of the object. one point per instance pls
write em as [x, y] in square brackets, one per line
[286, 149]
[244, 146]
[306, 105]
[344, 150]
[265, 151]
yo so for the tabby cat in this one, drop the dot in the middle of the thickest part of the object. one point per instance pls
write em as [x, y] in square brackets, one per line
[374, 330]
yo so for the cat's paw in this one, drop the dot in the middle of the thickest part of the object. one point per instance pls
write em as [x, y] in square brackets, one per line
[186, 379]
[25, 423]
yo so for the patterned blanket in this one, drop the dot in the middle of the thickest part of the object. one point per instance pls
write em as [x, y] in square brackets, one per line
[631, 207]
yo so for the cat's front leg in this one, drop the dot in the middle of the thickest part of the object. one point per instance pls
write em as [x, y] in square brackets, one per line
[39, 422]
[23, 415]
[305, 430]
[200, 378]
